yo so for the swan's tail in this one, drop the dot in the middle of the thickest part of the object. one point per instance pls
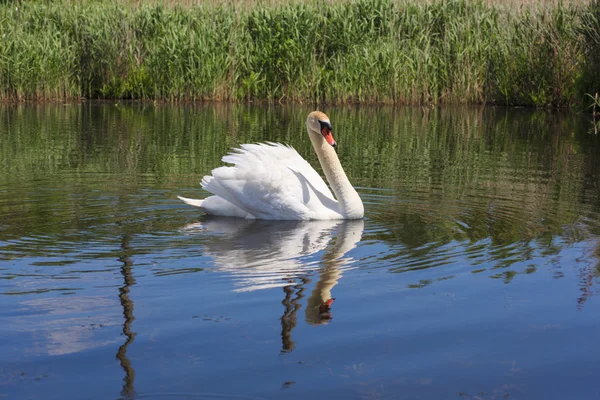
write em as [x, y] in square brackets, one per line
[191, 202]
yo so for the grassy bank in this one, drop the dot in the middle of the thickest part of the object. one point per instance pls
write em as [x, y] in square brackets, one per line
[361, 51]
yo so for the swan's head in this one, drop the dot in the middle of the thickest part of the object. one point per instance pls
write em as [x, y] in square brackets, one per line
[318, 125]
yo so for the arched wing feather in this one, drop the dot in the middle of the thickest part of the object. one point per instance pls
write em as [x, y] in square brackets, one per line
[264, 182]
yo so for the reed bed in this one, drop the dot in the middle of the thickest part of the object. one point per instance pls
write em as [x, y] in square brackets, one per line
[364, 51]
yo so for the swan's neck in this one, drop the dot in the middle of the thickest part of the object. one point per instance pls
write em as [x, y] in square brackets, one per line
[351, 205]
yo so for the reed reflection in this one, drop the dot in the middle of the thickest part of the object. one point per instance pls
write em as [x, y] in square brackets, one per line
[293, 294]
[127, 304]
[268, 254]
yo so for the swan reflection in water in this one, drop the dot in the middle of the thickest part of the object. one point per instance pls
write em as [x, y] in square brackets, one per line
[263, 254]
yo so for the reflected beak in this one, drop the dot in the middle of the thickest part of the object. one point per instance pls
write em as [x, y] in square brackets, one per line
[325, 309]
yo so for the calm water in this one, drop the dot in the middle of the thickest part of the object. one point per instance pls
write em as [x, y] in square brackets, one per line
[474, 275]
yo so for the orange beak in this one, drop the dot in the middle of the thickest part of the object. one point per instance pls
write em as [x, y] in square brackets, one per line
[328, 136]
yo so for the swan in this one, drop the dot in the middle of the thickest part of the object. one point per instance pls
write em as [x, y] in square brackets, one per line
[272, 181]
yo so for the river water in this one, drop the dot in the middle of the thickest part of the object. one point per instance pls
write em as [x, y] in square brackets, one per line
[474, 275]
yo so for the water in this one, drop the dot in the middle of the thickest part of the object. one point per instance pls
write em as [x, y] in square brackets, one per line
[473, 276]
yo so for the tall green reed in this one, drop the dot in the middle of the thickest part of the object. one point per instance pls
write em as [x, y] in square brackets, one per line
[367, 51]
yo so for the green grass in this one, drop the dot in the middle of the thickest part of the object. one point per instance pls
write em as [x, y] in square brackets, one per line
[365, 51]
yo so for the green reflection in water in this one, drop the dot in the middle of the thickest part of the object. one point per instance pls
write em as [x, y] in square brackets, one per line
[466, 174]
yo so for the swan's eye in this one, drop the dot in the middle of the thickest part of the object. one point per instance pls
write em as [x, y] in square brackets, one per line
[325, 124]
[326, 132]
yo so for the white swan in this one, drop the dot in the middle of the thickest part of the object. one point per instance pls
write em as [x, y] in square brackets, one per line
[272, 181]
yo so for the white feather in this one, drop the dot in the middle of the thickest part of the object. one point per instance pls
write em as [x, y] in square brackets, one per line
[268, 181]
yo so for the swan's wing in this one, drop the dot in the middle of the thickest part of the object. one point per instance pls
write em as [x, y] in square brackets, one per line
[263, 181]
[215, 205]
[300, 166]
